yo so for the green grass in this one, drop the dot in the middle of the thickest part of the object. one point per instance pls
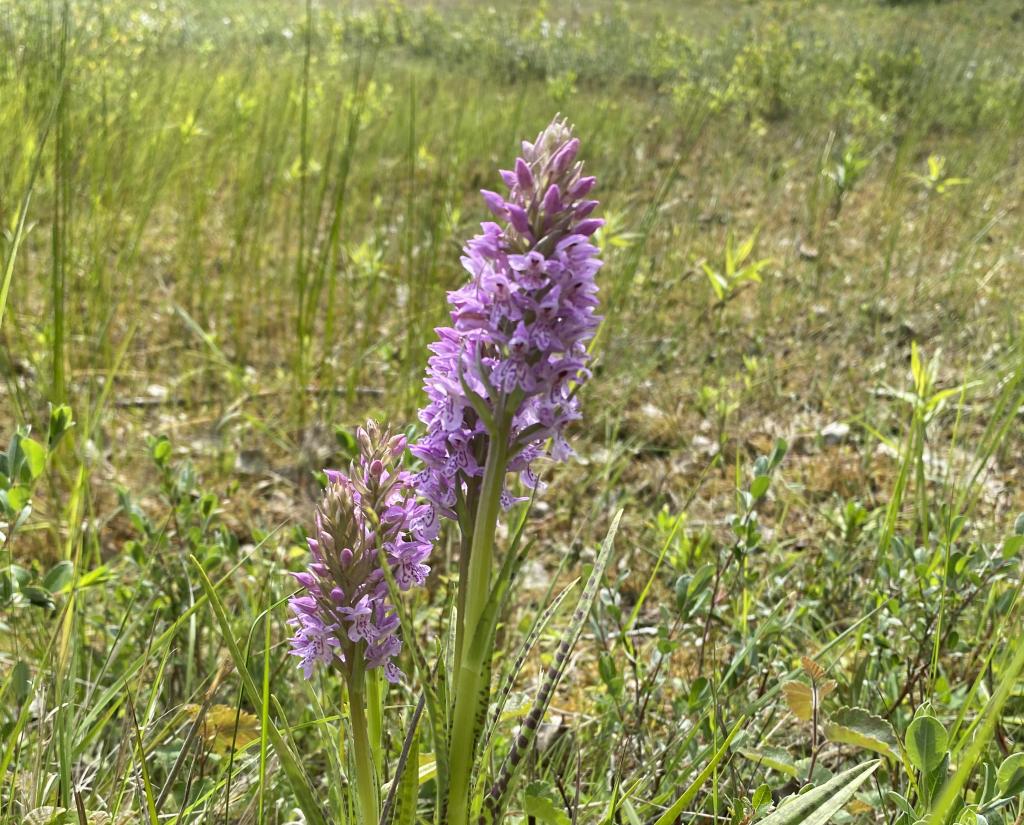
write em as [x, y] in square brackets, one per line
[227, 233]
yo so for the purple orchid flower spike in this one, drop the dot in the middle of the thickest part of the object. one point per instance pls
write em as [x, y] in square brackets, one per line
[520, 325]
[372, 512]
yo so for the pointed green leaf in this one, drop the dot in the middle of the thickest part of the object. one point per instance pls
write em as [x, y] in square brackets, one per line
[1011, 775]
[746, 248]
[35, 456]
[775, 758]
[59, 576]
[60, 422]
[856, 726]
[819, 805]
[759, 486]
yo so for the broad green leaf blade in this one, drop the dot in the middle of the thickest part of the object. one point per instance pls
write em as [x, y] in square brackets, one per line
[775, 758]
[35, 456]
[819, 805]
[856, 726]
[1011, 775]
[59, 576]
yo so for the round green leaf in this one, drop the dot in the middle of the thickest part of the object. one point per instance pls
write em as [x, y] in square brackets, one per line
[59, 576]
[35, 456]
[856, 726]
[927, 742]
[1011, 775]
[542, 809]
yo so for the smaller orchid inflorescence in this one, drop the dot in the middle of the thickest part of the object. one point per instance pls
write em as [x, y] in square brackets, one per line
[517, 345]
[345, 617]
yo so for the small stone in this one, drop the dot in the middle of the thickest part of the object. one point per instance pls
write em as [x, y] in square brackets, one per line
[835, 433]
[806, 251]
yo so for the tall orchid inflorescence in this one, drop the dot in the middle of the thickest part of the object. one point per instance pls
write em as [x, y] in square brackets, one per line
[501, 384]
[371, 514]
[517, 344]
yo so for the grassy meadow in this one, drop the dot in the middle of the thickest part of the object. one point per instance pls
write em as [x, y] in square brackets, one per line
[227, 230]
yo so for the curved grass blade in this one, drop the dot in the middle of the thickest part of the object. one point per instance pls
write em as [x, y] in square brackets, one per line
[1008, 679]
[673, 813]
[409, 786]
[405, 784]
[517, 665]
[497, 797]
[289, 762]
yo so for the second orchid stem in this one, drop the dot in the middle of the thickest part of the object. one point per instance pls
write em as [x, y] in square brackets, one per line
[363, 756]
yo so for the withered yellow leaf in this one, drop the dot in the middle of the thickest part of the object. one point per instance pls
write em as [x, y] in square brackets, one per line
[815, 671]
[219, 730]
[800, 699]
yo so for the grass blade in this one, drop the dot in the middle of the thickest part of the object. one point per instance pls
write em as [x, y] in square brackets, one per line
[497, 798]
[289, 762]
[680, 804]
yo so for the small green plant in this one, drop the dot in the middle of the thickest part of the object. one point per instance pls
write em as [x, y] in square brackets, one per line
[845, 173]
[735, 271]
[21, 467]
[936, 180]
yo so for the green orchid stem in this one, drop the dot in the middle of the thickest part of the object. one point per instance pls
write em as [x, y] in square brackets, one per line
[474, 591]
[465, 548]
[363, 767]
[375, 714]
